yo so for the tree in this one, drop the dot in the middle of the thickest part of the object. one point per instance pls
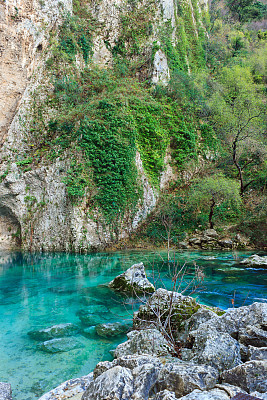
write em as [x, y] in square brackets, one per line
[213, 191]
[238, 111]
[246, 10]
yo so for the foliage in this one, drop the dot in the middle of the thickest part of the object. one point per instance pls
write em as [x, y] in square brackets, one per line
[238, 111]
[214, 191]
[247, 10]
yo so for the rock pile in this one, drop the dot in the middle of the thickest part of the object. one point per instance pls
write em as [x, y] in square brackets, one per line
[217, 359]
[218, 355]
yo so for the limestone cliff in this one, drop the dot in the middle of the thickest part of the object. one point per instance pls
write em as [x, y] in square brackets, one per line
[36, 211]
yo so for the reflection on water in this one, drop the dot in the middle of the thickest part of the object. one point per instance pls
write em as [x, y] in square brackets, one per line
[39, 290]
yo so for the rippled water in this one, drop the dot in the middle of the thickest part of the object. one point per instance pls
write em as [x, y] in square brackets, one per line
[39, 290]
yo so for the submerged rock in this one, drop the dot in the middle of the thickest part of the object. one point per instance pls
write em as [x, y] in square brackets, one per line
[111, 329]
[133, 281]
[5, 391]
[55, 331]
[59, 345]
[250, 376]
[93, 315]
[69, 389]
[149, 341]
[255, 261]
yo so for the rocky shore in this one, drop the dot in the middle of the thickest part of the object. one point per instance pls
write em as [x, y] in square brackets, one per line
[218, 355]
[178, 349]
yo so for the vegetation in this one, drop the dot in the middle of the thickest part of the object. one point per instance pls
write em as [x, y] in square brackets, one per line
[209, 119]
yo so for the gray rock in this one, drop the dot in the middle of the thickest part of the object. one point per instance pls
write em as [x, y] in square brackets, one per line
[210, 233]
[219, 392]
[255, 261]
[5, 391]
[69, 389]
[149, 341]
[165, 395]
[236, 319]
[214, 348]
[54, 331]
[257, 353]
[201, 316]
[213, 394]
[145, 377]
[135, 361]
[186, 354]
[250, 376]
[133, 281]
[59, 345]
[182, 378]
[253, 336]
[258, 395]
[103, 366]
[111, 329]
[116, 383]
[157, 310]
[226, 243]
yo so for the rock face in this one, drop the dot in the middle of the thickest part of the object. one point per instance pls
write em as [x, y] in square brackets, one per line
[36, 212]
[133, 281]
[59, 345]
[55, 331]
[5, 391]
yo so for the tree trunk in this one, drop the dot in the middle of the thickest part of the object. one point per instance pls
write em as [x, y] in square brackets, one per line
[211, 213]
[240, 174]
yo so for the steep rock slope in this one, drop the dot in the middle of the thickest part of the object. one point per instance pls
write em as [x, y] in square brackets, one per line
[36, 209]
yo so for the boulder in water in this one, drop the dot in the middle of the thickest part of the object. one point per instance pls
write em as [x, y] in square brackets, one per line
[133, 281]
[59, 345]
[111, 329]
[54, 331]
[255, 261]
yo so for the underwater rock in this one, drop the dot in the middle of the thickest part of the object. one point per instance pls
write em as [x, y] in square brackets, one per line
[93, 315]
[59, 345]
[54, 331]
[133, 281]
[69, 389]
[111, 329]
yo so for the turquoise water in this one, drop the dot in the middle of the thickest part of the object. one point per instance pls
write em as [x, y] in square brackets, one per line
[39, 290]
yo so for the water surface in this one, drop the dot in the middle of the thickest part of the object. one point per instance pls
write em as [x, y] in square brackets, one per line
[39, 290]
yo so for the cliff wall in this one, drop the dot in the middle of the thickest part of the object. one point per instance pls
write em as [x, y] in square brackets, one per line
[36, 209]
